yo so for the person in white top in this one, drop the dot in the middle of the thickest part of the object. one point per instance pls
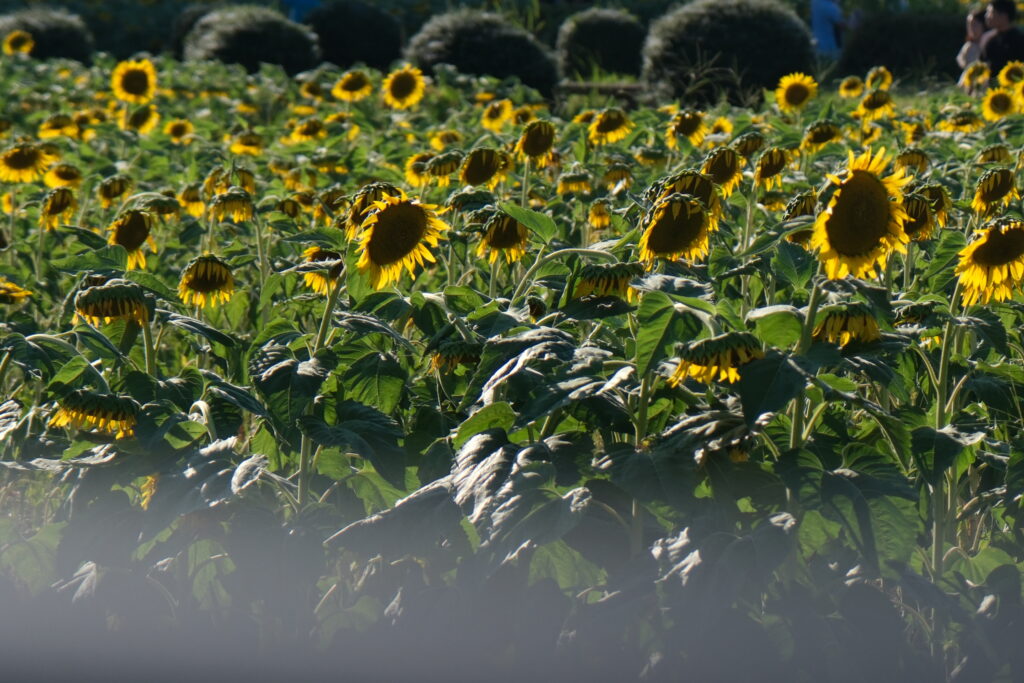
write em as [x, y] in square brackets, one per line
[971, 50]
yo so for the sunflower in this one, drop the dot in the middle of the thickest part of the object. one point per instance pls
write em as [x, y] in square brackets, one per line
[18, 42]
[940, 202]
[311, 90]
[249, 144]
[868, 134]
[105, 413]
[134, 81]
[404, 87]
[329, 203]
[1012, 72]
[965, 121]
[132, 229]
[992, 266]
[803, 204]
[721, 127]
[851, 87]
[445, 138]
[651, 156]
[863, 223]
[536, 141]
[442, 166]
[598, 215]
[749, 144]
[687, 124]
[920, 223]
[191, 197]
[607, 279]
[236, 203]
[794, 92]
[691, 183]
[452, 353]
[180, 131]
[576, 181]
[912, 159]
[353, 86]
[996, 188]
[58, 205]
[484, 166]
[618, 176]
[877, 104]
[142, 120]
[585, 116]
[716, 358]
[878, 78]
[496, 114]
[7, 206]
[112, 189]
[416, 169]
[677, 226]
[770, 166]
[57, 125]
[843, 324]
[320, 280]
[611, 125]
[997, 104]
[11, 293]
[397, 233]
[113, 300]
[994, 154]
[23, 163]
[819, 134]
[523, 115]
[206, 281]
[975, 75]
[722, 165]
[503, 236]
[63, 175]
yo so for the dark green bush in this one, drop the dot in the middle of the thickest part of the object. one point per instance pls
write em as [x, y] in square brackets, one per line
[708, 48]
[351, 31]
[611, 40]
[249, 36]
[477, 42]
[57, 33]
[909, 44]
[184, 23]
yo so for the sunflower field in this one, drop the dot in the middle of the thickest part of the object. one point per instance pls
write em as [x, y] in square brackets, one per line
[389, 376]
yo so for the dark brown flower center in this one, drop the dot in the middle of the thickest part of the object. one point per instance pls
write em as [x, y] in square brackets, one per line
[403, 85]
[480, 167]
[132, 230]
[860, 215]
[135, 82]
[398, 230]
[1000, 247]
[672, 232]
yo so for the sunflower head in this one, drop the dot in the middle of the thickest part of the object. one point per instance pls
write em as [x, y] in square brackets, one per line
[353, 86]
[191, 197]
[723, 166]
[1012, 72]
[536, 141]
[998, 104]
[878, 78]
[912, 159]
[18, 42]
[496, 114]
[749, 144]
[996, 188]
[692, 183]
[57, 125]
[994, 154]
[248, 144]
[503, 236]
[141, 120]
[364, 202]
[843, 324]
[397, 234]
[11, 293]
[132, 229]
[445, 138]
[333, 262]
[651, 156]
[114, 300]
[991, 267]
[206, 281]
[23, 163]
[452, 353]
[965, 121]
[794, 92]
[617, 176]
[404, 87]
[920, 223]
[716, 358]
[63, 175]
[235, 203]
[58, 205]
[877, 104]
[310, 129]
[442, 166]
[180, 131]
[598, 214]
[93, 411]
[134, 81]
[975, 75]
[819, 134]
[576, 181]
[688, 124]
[863, 223]
[484, 166]
[678, 225]
[770, 165]
[939, 199]
[112, 189]
[607, 279]
[851, 86]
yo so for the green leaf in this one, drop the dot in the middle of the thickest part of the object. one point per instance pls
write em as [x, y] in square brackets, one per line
[198, 327]
[541, 224]
[768, 385]
[376, 379]
[496, 415]
[364, 431]
[778, 326]
[111, 258]
[661, 327]
[152, 283]
[937, 449]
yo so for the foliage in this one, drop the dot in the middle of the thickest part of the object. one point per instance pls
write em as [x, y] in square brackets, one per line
[56, 33]
[907, 43]
[351, 32]
[605, 39]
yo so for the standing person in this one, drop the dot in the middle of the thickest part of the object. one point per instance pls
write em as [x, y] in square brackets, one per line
[971, 50]
[298, 9]
[827, 23]
[1003, 42]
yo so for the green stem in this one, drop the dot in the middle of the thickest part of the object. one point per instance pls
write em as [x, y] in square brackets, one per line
[261, 251]
[525, 283]
[796, 432]
[525, 199]
[149, 349]
[5, 362]
[40, 255]
[942, 482]
[636, 527]
[492, 285]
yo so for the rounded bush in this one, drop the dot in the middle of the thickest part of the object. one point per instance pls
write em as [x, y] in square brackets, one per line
[610, 40]
[483, 43]
[907, 42]
[183, 25]
[709, 48]
[56, 33]
[249, 36]
[351, 31]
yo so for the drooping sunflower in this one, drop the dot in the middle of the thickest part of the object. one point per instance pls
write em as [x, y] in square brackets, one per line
[10, 293]
[113, 300]
[965, 121]
[991, 267]
[868, 134]
[721, 127]
[142, 120]
[536, 141]
[180, 131]
[320, 280]
[920, 223]
[770, 166]
[996, 188]
[598, 215]
[607, 279]
[691, 183]
[794, 92]
[112, 189]
[63, 175]
[404, 88]
[749, 144]
[651, 156]
[576, 181]
[877, 104]
[18, 42]
[585, 116]
[311, 90]
[723, 166]
[863, 223]
[58, 205]
[913, 131]
[191, 197]
[878, 78]
[994, 154]
[452, 353]
[134, 81]
[851, 87]
[442, 166]
[617, 177]
[940, 202]
[503, 236]
[88, 410]
[397, 234]
[843, 324]
[353, 86]
[976, 75]
[912, 158]
[819, 134]
[57, 125]
[716, 358]
[445, 138]
[329, 203]
[676, 226]
[133, 229]
[236, 203]
[206, 281]
[688, 124]
[23, 163]
[496, 114]
[609, 126]
[416, 169]
[484, 166]
[1012, 72]
[998, 104]
[250, 144]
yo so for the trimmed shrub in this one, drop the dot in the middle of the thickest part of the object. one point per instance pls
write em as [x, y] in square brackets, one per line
[56, 33]
[351, 31]
[611, 40]
[183, 25]
[480, 43]
[907, 43]
[249, 36]
[734, 48]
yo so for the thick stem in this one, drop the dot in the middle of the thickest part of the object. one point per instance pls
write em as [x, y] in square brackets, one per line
[492, 285]
[261, 251]
[40, 254]
[942, 481]
[525, 199]
[796, 432]
[525, 283]
[149, 349]
[5, 363]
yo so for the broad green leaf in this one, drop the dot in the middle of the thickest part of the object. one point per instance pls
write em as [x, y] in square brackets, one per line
[778, 326]
[661, 327]
[496, 415]
[541, 224]
[376, 379]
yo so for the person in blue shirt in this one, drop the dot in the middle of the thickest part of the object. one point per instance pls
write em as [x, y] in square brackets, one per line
[298, 9]
[827, 22]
